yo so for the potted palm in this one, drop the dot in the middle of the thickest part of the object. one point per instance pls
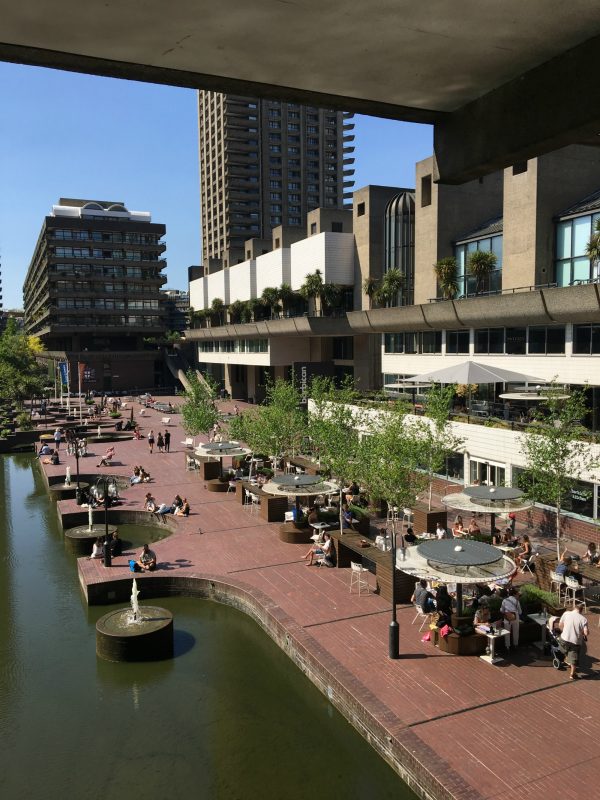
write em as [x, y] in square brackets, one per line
[480, 265]
[446, 273]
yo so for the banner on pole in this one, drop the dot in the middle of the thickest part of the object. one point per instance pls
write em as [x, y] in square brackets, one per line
[64, 372]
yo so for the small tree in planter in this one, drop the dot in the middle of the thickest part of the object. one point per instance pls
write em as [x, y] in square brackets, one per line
[312, 290]
[286, 295]
[445, 270]
[392, 284]
[199, 411]
[370, 287]
[555, 455]
[270, 299]
[437, 439]
[481, 263]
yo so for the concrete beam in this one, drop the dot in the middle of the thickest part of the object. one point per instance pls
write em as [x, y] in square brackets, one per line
[549, 107]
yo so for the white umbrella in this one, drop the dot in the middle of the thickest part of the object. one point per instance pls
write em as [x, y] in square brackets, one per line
[471, 372]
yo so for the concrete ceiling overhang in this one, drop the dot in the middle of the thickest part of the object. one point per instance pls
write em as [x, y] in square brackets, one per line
[501, 81]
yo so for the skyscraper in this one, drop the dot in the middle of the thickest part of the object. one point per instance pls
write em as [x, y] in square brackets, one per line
[265, 163]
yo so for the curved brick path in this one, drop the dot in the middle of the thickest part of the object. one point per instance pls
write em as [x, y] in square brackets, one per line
[485, 732]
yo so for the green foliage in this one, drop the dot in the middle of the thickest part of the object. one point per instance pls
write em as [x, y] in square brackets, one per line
[270, 299]
[199, 411]
[435, 433]
[592, 249]
[235, 311]
[480, 264]
[312, 289]
[445, 270]
[531, 596]
[392, 284]
[5, 432]
[370, 287]
[389, 459]
[23, 421]
[275, 428]
[21, 377]
[555, 456]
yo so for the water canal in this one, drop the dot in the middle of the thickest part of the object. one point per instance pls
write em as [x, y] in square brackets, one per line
[230, 717]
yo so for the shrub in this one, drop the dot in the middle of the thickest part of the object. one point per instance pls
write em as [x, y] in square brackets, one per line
[4, 433]
[23, 421]
[115, 415]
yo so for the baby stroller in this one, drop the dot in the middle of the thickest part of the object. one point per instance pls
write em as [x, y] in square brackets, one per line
[553, 639]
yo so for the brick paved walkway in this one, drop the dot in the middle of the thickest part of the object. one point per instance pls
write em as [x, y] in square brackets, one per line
[515, 730]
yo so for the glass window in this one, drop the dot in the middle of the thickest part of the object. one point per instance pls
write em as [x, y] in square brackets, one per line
[431, 342]
[496, 340]
[393, 343]
[457, 342]
[555, 339]
[581, 269]
[481, 340]
[581, 235]
[537, 339]
[563, 240]
[516, 341]
[582, 339]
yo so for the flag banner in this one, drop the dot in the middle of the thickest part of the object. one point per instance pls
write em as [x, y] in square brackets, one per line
[81, 368]
[64, 372]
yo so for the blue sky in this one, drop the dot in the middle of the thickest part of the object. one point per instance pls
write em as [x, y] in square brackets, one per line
[69, 135]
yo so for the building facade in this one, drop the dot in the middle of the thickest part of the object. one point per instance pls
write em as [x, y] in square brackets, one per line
[92, 292]
[264, 164]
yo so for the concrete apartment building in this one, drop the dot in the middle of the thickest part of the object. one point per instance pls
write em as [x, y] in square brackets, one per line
[266, 163]
[92, 292]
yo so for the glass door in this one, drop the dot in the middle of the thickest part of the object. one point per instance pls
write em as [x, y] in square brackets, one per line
[486, 473]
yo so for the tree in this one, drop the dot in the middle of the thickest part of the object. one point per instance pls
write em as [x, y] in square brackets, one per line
[286, 295]
[392, 284]
[334, 428]
[312, 290]
[445, 270]
[556, 457]
[370, 287]
[217, 307]
[270, 299]
[21, 377]
[481, 263]
[435, 432]
[199, 412]
[592, 251]
[235, 311]
[275, 428]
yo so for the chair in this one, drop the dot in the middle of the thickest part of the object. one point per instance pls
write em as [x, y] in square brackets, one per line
[254, 502]
[232, 487]
[527, 562]
[358, 578]
[425, 617]
[189, 442]
[407, 517]
[166, 420]
[142, 412]
[247, 498]
[557, 584]
[191, 464]
[574, 591]
[392, 514]
[289, 468]
[288, 516]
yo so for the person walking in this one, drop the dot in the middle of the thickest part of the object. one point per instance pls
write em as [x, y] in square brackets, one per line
[167, 438]
[151, 441]
[574, 632]
[511, 612]
[160, 442]
[57, 438]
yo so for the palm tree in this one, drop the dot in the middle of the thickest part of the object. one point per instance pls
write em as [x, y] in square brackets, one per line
[592, 251]
[312, 289]
[480, 264]
[445, 270]
[370, 287]
[392, 284]
[286, 295]
[217, 307]
[331, 295]
[235, 311]
[270, 299]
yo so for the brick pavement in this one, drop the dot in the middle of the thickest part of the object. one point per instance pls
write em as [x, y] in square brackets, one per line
[510, 730]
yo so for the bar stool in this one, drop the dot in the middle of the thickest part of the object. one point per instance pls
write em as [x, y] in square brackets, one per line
[392, 514]
[557, 584]
[574, 591]
[407, 517]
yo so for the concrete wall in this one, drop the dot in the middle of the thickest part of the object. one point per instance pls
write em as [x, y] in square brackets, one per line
[242, 281]
[453, 212]
[331, 253]
[323, 219]
[273, 269]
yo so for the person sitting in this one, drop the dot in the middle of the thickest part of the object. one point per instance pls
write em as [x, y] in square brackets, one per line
[137, 433]
[313, 515]
[592, 554]
[184, 509]
[145, 476]
[348, 519]
[164, 509]
[565, 567]
[409, 536]
[508, 538]
[54, 459]
[526, 551]
[177, 502]
[496, 537]
[107, 457]
[473, 529]
[116, 544]
[97, 549]
[45, 450]
[422, 597]
[150, 503]
[136, 477]
[147, 560]
[353, 492]
[458, 530]
[440, 531]
[482, 613]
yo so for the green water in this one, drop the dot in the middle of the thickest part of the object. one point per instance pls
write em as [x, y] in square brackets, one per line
[229, 717]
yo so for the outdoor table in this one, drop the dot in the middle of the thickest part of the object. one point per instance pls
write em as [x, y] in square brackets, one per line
[319, 528]
[306, 464]
[492, 638]
[425, 536]
[541, 619]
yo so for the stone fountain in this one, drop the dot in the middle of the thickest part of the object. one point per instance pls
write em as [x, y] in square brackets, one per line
[136, 633]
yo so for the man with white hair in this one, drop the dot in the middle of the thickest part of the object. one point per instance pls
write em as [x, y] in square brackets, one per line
[574, 632]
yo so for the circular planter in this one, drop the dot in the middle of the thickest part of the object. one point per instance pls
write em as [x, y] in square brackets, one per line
[62, 491]
[289, 533]
[119, 638]
[80, 539]
[217, 485]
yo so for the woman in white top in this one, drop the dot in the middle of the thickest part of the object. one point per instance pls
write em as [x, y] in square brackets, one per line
[511, 611]
[97, 549]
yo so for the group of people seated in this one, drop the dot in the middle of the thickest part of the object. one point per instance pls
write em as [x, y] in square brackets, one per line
[116, 546]
[139, 475]
[459, 531]
[48, 455]
[179, 506]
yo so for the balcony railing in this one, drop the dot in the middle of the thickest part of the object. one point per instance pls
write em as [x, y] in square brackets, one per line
[513, 290]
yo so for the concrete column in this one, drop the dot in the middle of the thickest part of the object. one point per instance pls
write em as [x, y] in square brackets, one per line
[252, 378]
[227, 379]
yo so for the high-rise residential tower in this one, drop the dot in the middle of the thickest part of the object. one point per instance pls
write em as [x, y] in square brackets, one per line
[264, 164]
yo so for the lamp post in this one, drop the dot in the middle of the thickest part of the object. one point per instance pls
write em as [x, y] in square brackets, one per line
[394, 629]
[109, 488]
[78, 488]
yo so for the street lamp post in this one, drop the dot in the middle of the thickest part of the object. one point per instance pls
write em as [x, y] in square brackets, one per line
[394, 629]
[78, 488]
[109, 487]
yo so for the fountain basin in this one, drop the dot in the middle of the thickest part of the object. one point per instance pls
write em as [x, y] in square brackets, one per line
[64, 490]
[150, 638]
[81, 539]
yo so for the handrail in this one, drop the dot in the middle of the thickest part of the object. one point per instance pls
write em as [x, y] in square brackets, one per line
[512, 290]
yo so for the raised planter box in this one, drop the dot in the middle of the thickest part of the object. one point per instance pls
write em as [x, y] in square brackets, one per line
[427, 521]
[289, 533]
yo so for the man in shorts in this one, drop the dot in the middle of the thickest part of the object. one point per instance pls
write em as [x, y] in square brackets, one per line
[574, 632]
[147, 560]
